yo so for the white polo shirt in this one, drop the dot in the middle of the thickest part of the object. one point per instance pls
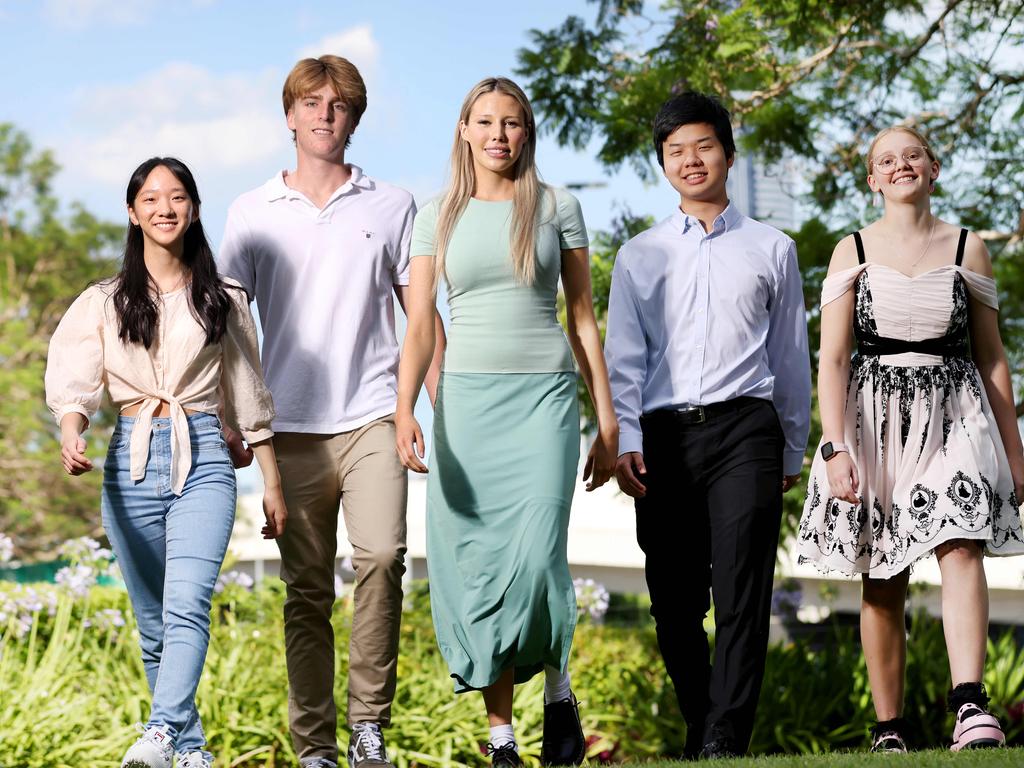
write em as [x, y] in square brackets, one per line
[323, 279]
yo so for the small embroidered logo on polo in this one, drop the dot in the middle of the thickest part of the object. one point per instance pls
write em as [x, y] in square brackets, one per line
[366, 233]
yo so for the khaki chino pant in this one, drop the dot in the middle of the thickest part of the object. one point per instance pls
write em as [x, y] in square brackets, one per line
[361, 470]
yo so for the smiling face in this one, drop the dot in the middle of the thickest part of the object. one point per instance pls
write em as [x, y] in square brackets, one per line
[912, 173]
[496, 132]
[322, 123]
[695, 163]
[163, 210]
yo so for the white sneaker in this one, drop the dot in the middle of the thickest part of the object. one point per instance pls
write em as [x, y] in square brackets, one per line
[195, 759]
[153, 749]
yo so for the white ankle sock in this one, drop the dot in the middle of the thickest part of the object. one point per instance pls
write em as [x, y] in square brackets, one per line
[502, 735]
[556, 685]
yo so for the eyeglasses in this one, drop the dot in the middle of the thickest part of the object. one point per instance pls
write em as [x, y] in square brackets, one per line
[888, 162]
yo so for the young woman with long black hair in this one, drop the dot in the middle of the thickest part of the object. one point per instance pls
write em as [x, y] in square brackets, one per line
[175, 346]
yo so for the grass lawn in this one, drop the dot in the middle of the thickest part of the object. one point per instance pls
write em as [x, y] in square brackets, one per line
[987, 758]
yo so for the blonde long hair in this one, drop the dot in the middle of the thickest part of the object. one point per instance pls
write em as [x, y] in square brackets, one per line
[462, 181]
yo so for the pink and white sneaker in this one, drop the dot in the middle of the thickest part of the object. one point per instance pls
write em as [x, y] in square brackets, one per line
[976, 729]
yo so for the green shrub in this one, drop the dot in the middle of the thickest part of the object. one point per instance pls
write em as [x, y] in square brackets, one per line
[73, 685]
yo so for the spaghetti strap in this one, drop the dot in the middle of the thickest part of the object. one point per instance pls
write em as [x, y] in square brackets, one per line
[960, 247]
[860, 248]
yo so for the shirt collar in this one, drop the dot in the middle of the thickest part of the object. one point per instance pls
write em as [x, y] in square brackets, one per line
[277, 189]
[725, 221]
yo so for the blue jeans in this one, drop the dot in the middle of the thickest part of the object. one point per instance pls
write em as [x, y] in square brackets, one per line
[170, 549]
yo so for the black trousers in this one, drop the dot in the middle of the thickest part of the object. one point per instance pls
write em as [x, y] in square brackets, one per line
[710, 523]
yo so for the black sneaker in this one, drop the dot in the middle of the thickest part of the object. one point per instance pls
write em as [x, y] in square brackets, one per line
[888, 737]
[563, 742]
[366, 747]
[718, 749]
[504, 756]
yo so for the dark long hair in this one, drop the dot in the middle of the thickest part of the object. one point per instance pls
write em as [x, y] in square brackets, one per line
[133, 296]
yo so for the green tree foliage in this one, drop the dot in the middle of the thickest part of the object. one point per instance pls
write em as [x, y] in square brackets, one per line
[46, 260]
[809, 82]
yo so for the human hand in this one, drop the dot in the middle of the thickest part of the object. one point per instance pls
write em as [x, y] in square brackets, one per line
[602, 458]
[72, 453]
[241, 454]
[409, 442]
[275, 511]
[628, 469]
[789, 481]
[1017, 473]
[843, 479]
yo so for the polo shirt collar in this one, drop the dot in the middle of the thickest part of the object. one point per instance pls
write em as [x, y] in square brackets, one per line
[725, 221]
[277, 189]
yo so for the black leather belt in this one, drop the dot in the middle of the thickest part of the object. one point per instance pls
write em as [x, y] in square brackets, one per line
[698, 414]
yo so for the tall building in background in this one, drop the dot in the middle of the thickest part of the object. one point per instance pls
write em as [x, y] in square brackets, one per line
[763, 192]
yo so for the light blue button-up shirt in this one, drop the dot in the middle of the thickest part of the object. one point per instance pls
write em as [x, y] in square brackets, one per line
[699, 317]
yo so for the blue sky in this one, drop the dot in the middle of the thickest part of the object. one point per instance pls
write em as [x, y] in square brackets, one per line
[107, 83]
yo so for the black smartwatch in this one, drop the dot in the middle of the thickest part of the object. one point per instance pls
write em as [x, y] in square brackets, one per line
[828, 450]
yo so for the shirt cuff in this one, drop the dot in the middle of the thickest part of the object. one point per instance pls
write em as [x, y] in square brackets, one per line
[73, 408]
[792, 462]
[257, 437]
[630, 442]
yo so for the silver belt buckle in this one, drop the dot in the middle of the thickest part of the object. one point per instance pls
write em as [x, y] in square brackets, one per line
[695, 412]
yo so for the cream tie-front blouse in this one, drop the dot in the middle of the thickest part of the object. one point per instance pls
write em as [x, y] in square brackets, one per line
[180, 368]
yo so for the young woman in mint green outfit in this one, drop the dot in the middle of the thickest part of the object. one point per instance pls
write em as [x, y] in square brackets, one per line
[506, 421]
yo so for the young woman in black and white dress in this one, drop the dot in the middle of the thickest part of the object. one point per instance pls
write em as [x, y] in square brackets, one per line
[920, 448]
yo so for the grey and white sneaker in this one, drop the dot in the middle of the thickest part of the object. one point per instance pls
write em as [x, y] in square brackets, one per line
[366, 747]
[153, 749]
[195, 759]
[317, 762]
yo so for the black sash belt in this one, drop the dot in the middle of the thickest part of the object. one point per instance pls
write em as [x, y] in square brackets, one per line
[950, 345]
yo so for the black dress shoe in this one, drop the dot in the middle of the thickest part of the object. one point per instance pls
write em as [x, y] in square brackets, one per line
[563, 742]
[504, 756]
[719, 748]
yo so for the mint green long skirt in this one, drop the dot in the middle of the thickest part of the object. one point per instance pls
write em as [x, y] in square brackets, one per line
[502, 472]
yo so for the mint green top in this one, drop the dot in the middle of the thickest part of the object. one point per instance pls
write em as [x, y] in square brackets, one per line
[498, 325]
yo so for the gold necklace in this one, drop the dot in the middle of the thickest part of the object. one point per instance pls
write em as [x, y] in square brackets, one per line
[931, 233]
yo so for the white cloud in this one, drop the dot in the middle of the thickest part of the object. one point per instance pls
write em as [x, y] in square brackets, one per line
[356, 44]
[212, 122]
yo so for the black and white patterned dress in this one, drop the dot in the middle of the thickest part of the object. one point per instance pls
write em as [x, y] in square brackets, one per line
[931, 463]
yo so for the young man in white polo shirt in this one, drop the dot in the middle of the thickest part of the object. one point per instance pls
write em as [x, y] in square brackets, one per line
[321, 249]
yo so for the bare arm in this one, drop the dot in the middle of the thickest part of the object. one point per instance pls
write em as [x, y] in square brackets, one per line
[274, 508]
[585, 340]
[993, 367]
[834, 373]
[440, 342]
[418, 352]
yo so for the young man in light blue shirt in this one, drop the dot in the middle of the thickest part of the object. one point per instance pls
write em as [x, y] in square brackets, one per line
[710, 374]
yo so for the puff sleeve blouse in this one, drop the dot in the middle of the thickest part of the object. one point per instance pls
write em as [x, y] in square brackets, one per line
[87, 357]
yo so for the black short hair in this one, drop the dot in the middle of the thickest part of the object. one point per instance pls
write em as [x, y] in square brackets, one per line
[692, 107]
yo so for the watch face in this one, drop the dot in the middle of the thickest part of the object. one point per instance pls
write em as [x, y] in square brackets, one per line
[827, 451]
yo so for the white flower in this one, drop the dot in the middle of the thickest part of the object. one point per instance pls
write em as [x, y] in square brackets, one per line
[76, 579]
[591, 598]
[6, 548]
[243, 580]
[105, 620]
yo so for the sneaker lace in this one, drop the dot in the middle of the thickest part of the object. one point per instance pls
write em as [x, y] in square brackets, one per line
[505, 750]
[370, 741]
[193, 760]
[156, 735]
